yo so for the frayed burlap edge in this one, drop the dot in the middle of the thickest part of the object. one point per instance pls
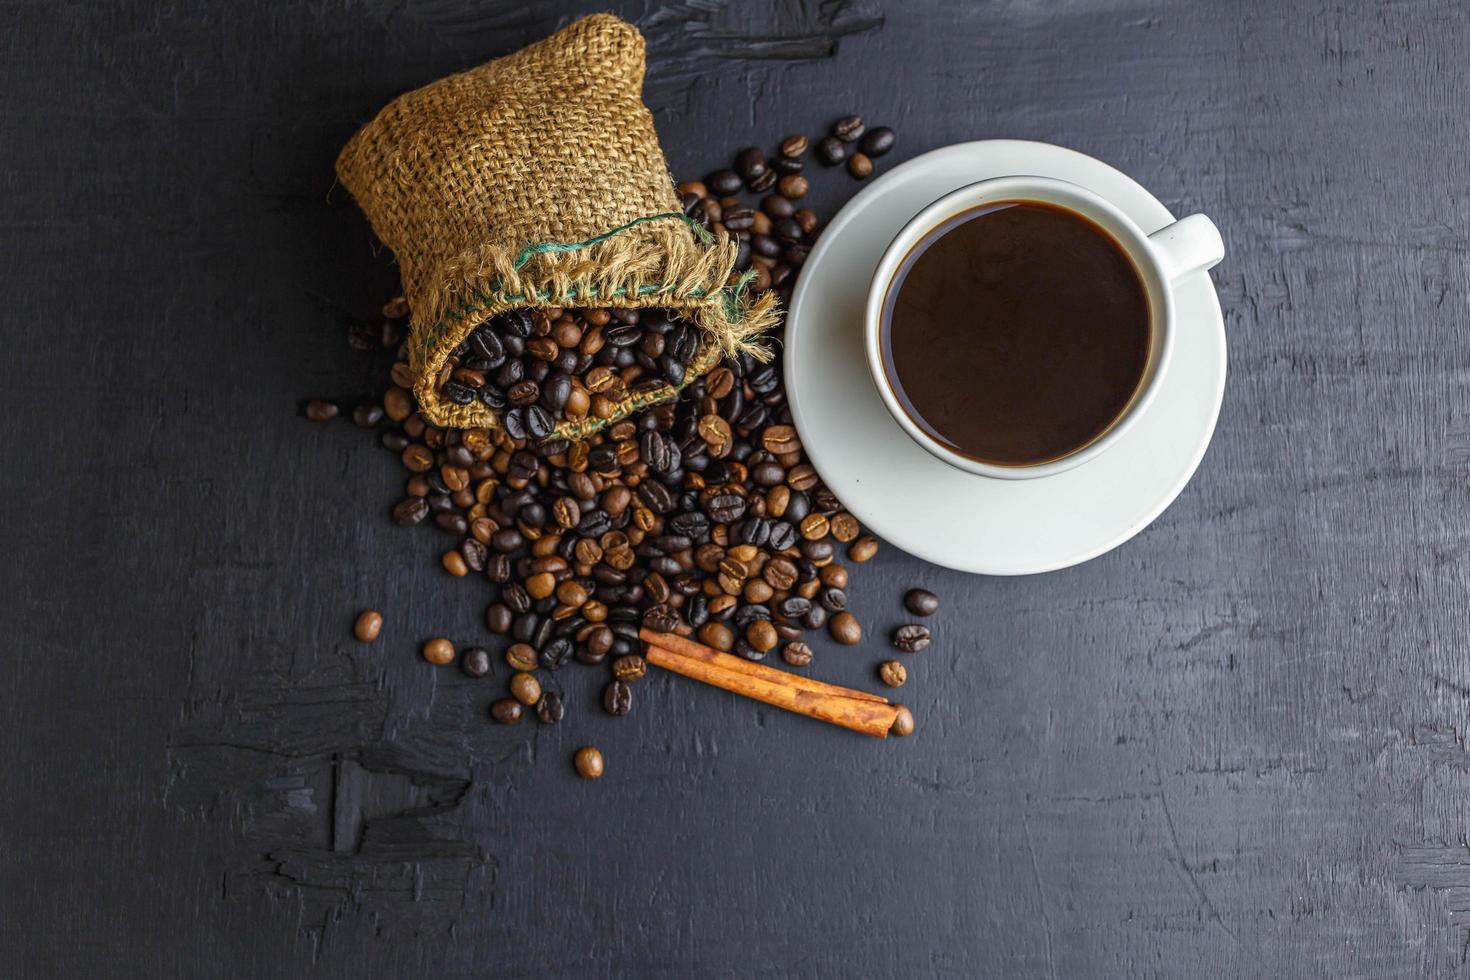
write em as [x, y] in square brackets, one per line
[661, 264]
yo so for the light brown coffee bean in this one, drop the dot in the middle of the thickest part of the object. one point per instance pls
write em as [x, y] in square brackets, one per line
[589, 763]
[369, 624]
[892, 673]
[439, 651]
[521, 656]
[845, 628]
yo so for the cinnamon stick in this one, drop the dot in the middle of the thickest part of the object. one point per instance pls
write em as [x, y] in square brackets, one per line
[689, 648]
[854, 710]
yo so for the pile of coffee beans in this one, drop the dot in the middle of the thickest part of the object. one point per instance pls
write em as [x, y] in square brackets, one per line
[540, 367]
[699, 516]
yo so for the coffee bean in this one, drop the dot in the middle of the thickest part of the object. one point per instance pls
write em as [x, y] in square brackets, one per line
[439, 651]
[507, 711]
[921, 602]
[863, 549]
[796, 653]
[630, 668]
[617, 698]
[792, 186]
[717, 635]
[911, 638]
[793, 146]
[521, 656]
[892, 673]
[750, 163]
[369, 624]
[555, 654]
[318, 410]
[764, 182]
[848, 128]
[589, 763]
[832, 599]
[845, 629]
[831, 151]
[367, 415]
[525, 688]
[724, 182]
[761, 635]
[903, 723]
[877, 141]
[454, 564]
[475, 662]
[860, 166]
[784, 166]
[550, 708]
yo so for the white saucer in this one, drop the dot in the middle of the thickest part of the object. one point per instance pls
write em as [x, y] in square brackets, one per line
[929, 508]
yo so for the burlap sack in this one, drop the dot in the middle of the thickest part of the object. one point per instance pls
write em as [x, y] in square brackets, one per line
[537, 180]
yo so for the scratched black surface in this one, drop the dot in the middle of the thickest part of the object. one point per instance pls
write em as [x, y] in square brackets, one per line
[1233, 747]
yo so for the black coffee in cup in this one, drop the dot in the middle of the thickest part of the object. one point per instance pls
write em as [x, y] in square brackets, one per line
[1016, 333]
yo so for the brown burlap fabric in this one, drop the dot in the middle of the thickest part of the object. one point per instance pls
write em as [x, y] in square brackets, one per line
[537, 180]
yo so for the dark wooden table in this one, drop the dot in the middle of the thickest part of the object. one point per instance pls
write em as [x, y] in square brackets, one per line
[1233, 747]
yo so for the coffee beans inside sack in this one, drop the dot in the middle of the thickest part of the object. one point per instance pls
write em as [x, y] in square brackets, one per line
[556, 285]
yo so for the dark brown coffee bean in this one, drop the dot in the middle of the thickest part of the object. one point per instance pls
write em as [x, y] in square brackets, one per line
[507, 711]
[589, 763]
[845, 629]
[764, 182]
[629, 668]
[550, 708]
[367, 415]
[750, 164]
[475, 662]
[318, 410]
[831, 151]
[523, 393]
[796, 653]
[892, 673]
[911, 638]
[724, 182]
[860, 166]
[921, 602]
[617, 699]
[784, 166]
[877, 141]
[369, 624]
[848, 128]
[903, 724]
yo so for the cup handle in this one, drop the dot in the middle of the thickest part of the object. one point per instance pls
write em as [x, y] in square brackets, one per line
[1190, 244]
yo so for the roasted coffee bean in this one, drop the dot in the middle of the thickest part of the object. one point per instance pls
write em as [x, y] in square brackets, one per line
[877, 141]
[368, 625]
[784, 166]
[525, 688]
[724, 182]
[863, 549]
[589, 763]
[630, 668]
[845, 629]
[831, 151]
[911, 638]
[367, 415]
[439, 651]
[750, 163]
[860, 166]
[761, 635]
[796, 653]
[521, 656]
[550, 708]
[523, 393]
[903, 723]
[921, 602]
[764, 182]
[795, 607]
[832, 599]
[319, 410]
[716, 635]
[555, 654]
[892, 673]
[661, 618]
[617, 698]
[792, 186]
[848, 128]
[515, 596]
[507, 711]
[475, 662]
[794, 146]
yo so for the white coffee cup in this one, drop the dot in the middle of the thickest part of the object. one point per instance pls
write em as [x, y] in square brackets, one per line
[1175, 251]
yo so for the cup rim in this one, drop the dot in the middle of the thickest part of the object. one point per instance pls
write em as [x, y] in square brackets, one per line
[1049, 190]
